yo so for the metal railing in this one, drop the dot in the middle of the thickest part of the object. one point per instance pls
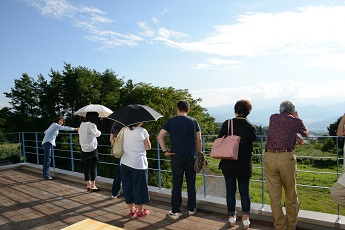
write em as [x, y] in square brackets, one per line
[67, 152]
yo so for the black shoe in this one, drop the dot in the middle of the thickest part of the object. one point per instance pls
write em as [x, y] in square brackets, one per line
[48, 178]
[94, 190]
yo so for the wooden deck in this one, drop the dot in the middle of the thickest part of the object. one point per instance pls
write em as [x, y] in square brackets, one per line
[29, 202]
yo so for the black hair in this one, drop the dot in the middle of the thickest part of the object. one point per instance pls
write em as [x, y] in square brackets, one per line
[92, 117]
[183, 106]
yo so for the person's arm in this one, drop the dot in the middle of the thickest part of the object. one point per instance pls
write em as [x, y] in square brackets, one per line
[111, 138]
[160, 138]
[303, 131]
[198, 141]
[147, 144]
[299, 140]
[340, 130]
[95, 131]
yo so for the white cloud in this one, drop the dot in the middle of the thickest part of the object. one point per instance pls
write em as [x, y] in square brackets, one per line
[283, 90]
[89, 19]
[307, 30]
[165, 33]
[335, 61]
[147, 31]
[155, 20]
[53, 8]
[222, 64]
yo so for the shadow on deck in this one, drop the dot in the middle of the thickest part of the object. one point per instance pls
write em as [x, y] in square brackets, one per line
[29, 202]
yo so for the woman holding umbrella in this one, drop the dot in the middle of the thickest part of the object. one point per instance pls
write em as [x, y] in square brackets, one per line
[134, 169]
[88, 134]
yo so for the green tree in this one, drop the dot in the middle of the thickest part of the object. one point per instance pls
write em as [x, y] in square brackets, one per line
[332, 131]
[23, 96]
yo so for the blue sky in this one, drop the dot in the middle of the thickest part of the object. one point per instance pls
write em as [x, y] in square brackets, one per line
[221, 51]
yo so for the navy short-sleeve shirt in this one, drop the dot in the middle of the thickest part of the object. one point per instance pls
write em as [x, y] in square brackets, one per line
[182, 138]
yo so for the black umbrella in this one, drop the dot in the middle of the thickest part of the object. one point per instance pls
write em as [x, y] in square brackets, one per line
[133, 114]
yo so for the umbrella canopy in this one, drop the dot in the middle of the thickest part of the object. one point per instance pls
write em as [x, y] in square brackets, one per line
[100, 109]
[133, 114]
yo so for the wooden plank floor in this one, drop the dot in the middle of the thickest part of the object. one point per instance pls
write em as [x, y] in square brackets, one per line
[29, 202]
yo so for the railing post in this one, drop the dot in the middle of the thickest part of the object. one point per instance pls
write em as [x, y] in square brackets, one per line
[23, 140]
[20, 148]
[71, 150]
[204, 171]
[159, 166]
[37, 155]
[262, 172]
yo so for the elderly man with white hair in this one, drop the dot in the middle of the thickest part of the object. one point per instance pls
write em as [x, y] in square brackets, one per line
[281, 165]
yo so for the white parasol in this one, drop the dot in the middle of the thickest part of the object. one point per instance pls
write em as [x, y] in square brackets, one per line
[100, 109]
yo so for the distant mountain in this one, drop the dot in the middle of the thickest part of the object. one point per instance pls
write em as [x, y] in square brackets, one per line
[316, 118]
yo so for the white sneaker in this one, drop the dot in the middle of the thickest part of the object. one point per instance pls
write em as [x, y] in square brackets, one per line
[192, 213]
[232, 221]
[175, 216]
[246, 224]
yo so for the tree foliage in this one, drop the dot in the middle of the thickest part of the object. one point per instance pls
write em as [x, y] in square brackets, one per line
[332, 131]
[35, 103]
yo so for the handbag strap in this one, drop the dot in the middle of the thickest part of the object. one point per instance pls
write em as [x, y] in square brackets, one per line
[232, 127]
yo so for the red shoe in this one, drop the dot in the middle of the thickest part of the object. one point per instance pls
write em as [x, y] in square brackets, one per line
[143, 213]
[133, 213]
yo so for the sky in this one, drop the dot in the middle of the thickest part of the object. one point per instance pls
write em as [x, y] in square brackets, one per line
[221, 51]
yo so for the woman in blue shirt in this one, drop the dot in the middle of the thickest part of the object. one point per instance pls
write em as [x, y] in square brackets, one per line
[49, 140]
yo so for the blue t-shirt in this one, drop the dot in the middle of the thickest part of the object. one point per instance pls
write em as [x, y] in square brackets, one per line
[182, 138]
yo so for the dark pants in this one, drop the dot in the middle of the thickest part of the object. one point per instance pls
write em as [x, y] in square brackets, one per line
[231, 188]
[183, 165]
[117, 180]
[135, 185]
[90, 168]
[47, 148]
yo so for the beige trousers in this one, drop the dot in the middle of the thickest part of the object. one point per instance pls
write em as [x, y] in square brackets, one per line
[281, 172]
[338, 193]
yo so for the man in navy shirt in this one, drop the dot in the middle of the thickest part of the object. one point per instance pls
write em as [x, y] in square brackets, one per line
[182, 154]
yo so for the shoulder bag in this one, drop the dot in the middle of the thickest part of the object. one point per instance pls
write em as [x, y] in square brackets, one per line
[200, 162]
[117, 147]
[226, 147]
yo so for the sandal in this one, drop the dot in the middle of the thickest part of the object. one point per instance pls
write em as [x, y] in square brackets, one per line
[133, 213]
[143, 213]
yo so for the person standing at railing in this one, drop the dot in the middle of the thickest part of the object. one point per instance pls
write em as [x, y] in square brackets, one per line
[338, 189]
[49, 141]
[88, 134]
[239, 170]
[134, 169]
[280, 164]
[115, 190]
[182, 154]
